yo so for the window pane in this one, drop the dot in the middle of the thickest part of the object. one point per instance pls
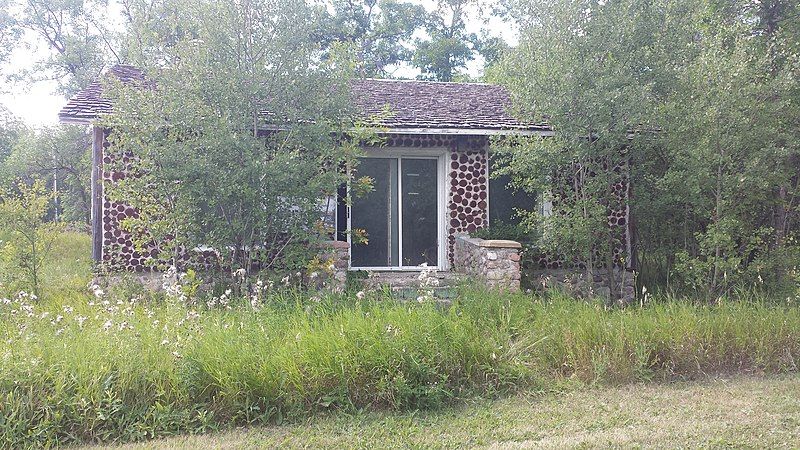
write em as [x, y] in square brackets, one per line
[420, 210]
[376, 213]
[503, 200]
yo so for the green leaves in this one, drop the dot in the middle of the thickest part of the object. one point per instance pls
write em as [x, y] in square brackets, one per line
[709, 94]
[29, 237]
[235, 139]
[379, 33]
[448, 46]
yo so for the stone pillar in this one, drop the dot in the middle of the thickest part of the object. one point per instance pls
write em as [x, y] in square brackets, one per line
[494, 262]
[338, 253]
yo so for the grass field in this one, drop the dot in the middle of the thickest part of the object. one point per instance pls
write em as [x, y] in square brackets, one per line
[716, 413]
[125, 365]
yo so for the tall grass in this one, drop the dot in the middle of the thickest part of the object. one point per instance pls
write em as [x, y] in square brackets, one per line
[79, 368]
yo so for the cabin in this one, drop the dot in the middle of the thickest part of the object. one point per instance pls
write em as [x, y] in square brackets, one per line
[433, 183]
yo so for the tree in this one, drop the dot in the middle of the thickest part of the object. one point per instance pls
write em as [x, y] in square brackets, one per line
[587, 68]
[59, 155]
[9, 31]
[740, 175]
[10, 129]
[380, 32]
[699, 99]
[448, 47]
[235, 136]
[30, 238]
[153, 28]
[79, 38]
[492, 49]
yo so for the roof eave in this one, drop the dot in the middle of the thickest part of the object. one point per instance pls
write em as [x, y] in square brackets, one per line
[472, 131]
[72, 120]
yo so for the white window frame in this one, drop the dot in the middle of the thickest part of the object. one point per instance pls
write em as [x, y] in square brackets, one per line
[441, 157]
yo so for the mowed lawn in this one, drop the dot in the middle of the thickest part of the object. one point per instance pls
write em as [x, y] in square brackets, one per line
[742, 412]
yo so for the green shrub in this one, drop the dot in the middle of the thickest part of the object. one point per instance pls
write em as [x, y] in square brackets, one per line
[30, 238]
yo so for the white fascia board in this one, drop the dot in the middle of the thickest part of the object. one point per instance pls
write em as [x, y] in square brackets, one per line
[76, 121]
[467, 131]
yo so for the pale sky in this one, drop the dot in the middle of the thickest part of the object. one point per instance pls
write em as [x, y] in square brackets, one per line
[37, 104]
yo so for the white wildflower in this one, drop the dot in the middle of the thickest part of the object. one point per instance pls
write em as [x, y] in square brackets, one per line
[107, 326]
[360, 295]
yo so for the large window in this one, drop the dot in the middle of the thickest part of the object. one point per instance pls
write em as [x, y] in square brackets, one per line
[504, 201]
[400, 216]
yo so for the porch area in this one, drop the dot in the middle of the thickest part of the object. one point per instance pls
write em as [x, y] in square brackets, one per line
[494, 263]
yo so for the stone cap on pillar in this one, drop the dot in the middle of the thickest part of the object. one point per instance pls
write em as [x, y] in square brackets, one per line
[490, 243]
[499, 243]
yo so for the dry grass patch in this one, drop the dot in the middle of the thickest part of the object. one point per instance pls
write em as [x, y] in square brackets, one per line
[717, 413]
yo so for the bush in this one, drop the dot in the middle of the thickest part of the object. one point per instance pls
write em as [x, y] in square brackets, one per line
[30, 238]
[78, 369]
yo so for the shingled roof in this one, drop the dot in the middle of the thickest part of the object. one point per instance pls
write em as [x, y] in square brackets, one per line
[431, 104]
[89, 104]
[414, 105]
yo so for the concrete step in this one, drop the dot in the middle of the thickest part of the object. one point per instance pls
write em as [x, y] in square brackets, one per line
[409, 279]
